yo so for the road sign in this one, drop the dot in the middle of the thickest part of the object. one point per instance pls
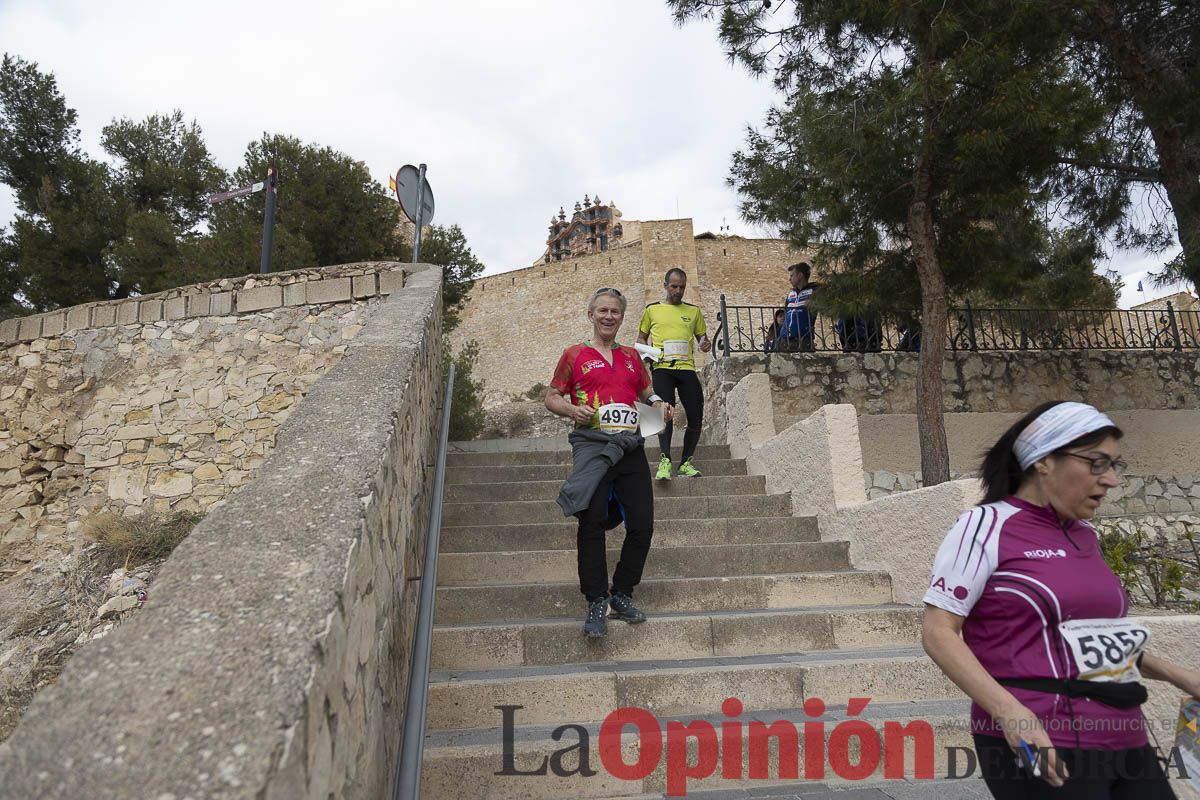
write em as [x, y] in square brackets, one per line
[232, 193]
[411, 188]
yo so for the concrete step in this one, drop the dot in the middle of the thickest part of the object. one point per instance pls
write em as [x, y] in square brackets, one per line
[711, 468]
[667, 533]
[940, 788]
[704, 452]
[548, 566]
[477, 757]
[512, 513]
[467, 604]
[468, 699]
[548, 490]
[665, 635]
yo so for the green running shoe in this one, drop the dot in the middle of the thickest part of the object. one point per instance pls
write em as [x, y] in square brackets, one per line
[688, 471]
[664, 470]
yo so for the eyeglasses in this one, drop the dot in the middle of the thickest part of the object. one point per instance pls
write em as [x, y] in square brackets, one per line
[606, 290]
[1100, 464]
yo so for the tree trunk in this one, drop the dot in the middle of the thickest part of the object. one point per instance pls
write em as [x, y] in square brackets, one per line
[931, 425]
[1152, 82]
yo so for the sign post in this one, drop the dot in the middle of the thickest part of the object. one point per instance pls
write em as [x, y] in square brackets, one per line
[416, 199]
[264, 261]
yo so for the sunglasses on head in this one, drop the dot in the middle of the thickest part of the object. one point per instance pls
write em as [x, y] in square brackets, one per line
[605, 289]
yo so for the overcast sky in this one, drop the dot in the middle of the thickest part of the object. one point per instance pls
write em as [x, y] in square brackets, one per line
[518, 107]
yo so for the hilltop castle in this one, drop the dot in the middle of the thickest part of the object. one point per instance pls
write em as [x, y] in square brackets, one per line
[522, 319]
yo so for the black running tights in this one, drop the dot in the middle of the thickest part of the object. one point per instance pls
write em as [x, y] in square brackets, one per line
[667, 382]
[1134, 774]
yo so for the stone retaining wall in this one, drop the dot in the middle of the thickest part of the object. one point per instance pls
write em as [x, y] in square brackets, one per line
[885, 383]
[1137, 494]
[271, 661]
[249, 293]
[163, 414]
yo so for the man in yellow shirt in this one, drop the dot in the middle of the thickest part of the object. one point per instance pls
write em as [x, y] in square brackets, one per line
[676, 328]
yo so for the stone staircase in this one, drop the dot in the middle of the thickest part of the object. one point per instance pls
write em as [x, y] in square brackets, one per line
[744, 601]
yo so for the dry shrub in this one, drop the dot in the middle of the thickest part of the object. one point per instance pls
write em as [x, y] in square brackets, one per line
[520, 424]
[142, 538]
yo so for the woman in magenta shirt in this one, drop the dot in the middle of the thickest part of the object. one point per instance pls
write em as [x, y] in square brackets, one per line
[1025, 616]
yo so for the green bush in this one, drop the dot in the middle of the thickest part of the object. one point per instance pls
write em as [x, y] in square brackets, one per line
[1145, 567]
[466, 409]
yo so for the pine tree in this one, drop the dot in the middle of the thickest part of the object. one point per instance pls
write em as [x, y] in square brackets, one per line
[915, 153]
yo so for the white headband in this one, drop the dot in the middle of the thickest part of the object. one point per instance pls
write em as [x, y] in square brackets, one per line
[1057, 426]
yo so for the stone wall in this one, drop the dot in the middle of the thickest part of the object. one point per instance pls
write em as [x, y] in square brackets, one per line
[271, 661]
[1137, 494]
[523, 319]
[876, 383]
[750, 272]
[165, 403]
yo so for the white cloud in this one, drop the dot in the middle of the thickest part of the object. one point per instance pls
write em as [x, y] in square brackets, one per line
[517, 107]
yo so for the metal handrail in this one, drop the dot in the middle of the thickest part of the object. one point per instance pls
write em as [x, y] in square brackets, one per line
[412, 746]
[745, 329]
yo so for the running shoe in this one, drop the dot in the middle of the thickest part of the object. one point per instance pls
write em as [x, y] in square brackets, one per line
[624, 609]
[664, 469]
[688, 471]
[595, 625]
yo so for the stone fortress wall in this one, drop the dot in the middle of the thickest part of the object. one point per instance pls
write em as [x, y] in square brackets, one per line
[523, 319]
[167, 402]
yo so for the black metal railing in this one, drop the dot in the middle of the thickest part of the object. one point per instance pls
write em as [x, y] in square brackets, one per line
[412, 745]
[754, 329]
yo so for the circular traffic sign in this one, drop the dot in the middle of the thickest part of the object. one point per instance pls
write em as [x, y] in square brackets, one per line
[407, 180]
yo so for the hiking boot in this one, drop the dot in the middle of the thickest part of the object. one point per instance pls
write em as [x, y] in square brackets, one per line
[624, 609]
[688, 471]
[664, 469]
[595, 626]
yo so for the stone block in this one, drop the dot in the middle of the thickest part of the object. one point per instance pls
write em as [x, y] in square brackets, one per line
[127, 312]
[364, 285]
[9, 329]
[258, 298]
[104, 315]
[175, 308]
[391, 281]
[220, 303]
[336, 290]
[197, 304]
[54, 323]
[79, 317]
[150, 310]
[295, 294]
[31, 327]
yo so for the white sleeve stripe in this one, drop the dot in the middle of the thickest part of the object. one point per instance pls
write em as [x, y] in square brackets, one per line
[983, 547]
[963, 536]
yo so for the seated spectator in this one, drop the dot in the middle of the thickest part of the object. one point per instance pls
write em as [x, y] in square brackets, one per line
[774, 330]
[859, 334]
[910, 338]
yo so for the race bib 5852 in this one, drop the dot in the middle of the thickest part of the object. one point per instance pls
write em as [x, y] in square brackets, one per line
[1105, 649]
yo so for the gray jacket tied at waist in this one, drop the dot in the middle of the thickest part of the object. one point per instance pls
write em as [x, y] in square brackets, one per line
[592, 452]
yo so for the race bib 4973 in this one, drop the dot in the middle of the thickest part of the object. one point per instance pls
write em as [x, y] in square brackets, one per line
[617, 418]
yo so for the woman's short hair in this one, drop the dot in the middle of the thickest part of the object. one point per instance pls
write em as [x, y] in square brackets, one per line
[1001, 473]
[610, 292]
